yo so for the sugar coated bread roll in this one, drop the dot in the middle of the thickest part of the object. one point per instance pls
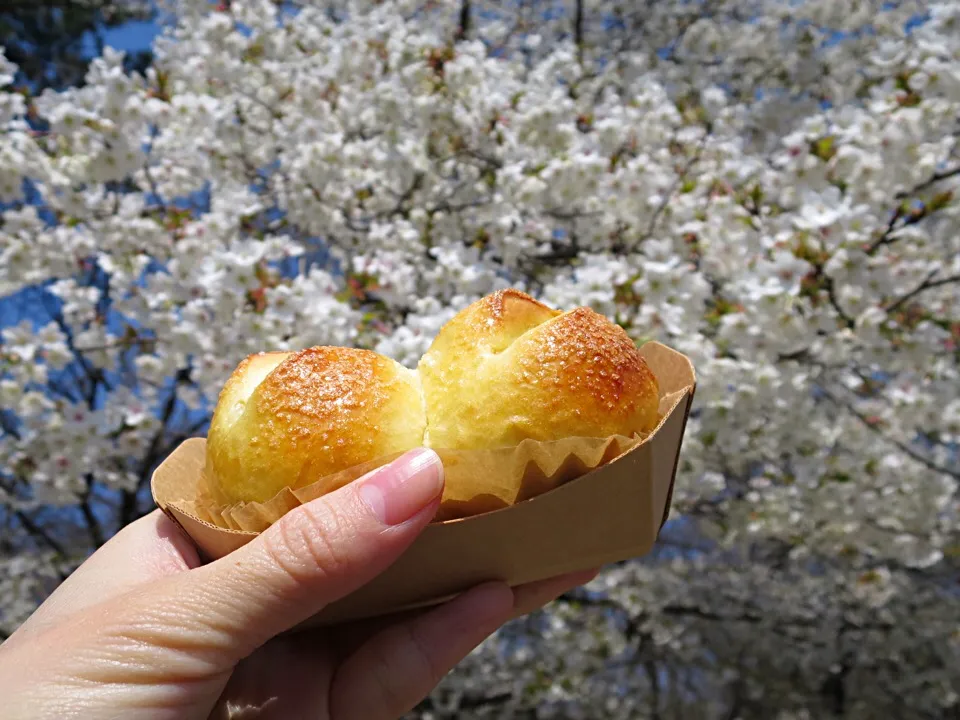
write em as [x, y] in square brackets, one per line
[508, 368]
[505, 369]
[289, 419]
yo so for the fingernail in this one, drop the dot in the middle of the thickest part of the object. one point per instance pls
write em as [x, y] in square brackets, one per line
[400, 490]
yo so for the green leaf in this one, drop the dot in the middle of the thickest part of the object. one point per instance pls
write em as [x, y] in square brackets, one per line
[823, 148]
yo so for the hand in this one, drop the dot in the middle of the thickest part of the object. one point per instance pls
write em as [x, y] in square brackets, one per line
[142, 630]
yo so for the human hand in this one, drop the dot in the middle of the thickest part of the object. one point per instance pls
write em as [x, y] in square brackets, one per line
[142, 631]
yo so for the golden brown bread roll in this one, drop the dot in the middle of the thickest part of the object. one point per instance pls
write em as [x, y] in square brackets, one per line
[504, 369]
[509, 368]
[289, 419]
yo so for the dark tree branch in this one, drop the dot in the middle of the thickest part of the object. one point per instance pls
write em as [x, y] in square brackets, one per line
[834, 687]
[128, 509]
[912, 218]
[93, 375]
[736, 702]
[903, 447]
[463, 27]
[651, 668]
[635, 621]
[571, 214]
[934, 179]
[678, 181]
[888, 237]
[93, 524]
[578, 28]
[928, 284]
[835, 303]
[633, 628]
[469, 702]
[38, 533]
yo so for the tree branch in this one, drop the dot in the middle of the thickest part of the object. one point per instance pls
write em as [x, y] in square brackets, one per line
[578, 28]
[692, 611]
[38, 533]
[835, 303]
[678, 181]
[470, 702]
[897, 443]
[887, 237]
[93, 525]
[934, 179]
[834, 687]
[736, 702]
[928, 284]
[128, 509]
[463, 28]
[633, 622]
[651, 668]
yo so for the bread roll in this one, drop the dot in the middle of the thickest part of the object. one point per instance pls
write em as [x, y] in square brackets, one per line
[505, 369]
[289, 419]
[508, 368]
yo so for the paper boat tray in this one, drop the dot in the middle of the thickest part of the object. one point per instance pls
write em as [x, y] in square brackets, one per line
[610, 514]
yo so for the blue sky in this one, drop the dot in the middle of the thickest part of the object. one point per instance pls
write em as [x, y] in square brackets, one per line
[129, 37]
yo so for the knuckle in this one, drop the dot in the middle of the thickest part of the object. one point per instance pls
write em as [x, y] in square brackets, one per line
[419, 656]
[307, 543]
[403, 671]
[385, 697]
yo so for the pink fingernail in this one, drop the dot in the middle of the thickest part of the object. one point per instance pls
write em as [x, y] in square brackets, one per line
[397, 492]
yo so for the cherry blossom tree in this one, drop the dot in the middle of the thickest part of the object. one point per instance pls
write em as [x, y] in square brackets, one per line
[766, 186]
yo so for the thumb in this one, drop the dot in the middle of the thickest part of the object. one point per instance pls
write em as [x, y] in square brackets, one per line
[315, 554]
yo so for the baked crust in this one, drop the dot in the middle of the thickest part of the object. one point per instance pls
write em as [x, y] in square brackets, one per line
[509, 368]
[288, 419]
[505, 369]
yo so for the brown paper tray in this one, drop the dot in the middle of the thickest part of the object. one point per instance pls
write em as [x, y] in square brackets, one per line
[612, 513]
